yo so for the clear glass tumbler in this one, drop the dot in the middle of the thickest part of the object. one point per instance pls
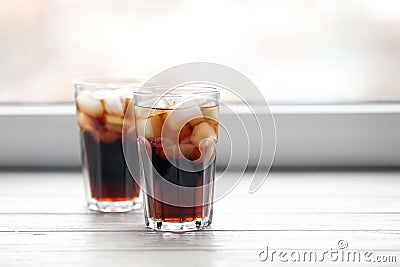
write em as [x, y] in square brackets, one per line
[177, 134]
[101, 106]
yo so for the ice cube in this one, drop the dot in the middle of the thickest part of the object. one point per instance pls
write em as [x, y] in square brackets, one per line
[143, 113]
[172, 135]
[149, 128]
[206, 150]
[186, 131]
[85, 122]
[157, 112]
[155, 102]
[124, 92]
[102, 94]
[196, 121]
[114, 105]
[187, 150]
[176, 151]
[113, 123]
[177, 118]
[87, 93]
[89, 105]
[202, 131]
[109, 137]
[176, 136]
[211, 112]
[196, 154]
[186, 140]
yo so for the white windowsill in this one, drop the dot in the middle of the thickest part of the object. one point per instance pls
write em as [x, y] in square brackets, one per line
[365, 135]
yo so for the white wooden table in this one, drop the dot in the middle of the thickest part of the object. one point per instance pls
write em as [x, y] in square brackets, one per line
[44, 222]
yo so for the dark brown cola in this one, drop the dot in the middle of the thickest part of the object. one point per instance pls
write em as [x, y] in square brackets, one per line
[109, 176]
[196, 203]
[174, 153]
[101, 122]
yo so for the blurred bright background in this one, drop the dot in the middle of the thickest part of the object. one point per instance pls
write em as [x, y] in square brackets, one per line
[298, 51]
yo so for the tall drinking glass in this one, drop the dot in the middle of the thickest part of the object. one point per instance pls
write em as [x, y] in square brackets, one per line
[101, 106]
[177, 133]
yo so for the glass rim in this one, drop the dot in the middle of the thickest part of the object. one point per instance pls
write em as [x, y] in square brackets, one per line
[106, 83]
[180, 91]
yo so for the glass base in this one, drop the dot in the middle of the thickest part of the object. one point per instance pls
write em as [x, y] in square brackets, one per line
[176, 226]
[117, 206]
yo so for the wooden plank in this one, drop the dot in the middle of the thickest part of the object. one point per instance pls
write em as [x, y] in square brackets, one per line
[222, 221]
[150, 248]
[54, 192]
[44, 222]
[197, 241]
[160, 258]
